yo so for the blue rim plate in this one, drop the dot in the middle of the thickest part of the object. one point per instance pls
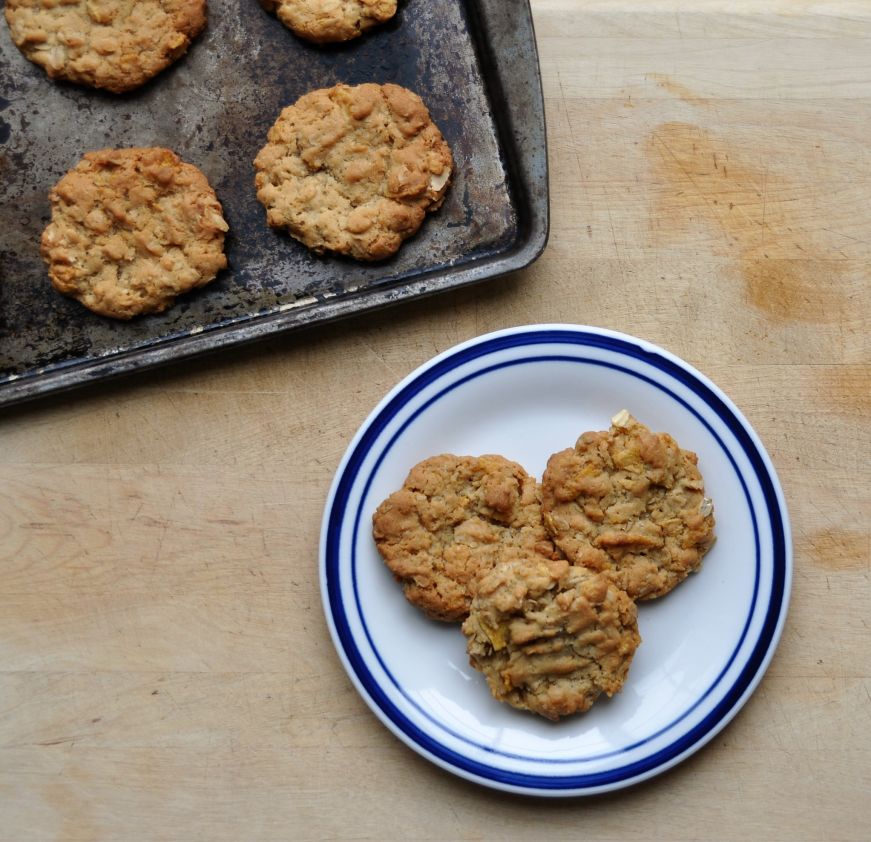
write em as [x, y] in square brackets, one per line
[526, 393]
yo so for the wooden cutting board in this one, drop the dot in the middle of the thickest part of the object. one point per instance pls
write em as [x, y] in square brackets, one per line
[165, 669]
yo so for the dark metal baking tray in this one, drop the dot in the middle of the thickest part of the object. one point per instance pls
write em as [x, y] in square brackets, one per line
[475, 65]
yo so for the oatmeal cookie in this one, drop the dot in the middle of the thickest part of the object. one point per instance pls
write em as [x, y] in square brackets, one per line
[131, 229]
[116, 45]
[455, 517]
[550, 637]
[353, 170]
[631, 502]
[326, 21]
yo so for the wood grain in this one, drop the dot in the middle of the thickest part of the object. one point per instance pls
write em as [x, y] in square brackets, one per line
[165, 669]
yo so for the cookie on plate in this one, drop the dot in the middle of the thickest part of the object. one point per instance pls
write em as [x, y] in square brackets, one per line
[454, 517]
[131, 229]
[116, 45]
[353, 170]
[631, 502]
[550, 637]
[328, 21]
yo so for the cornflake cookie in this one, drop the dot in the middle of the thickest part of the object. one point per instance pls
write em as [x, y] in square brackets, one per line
[455, 517]
[116, 45]
[353, 170]
[325, 21]
[550, 637]
[631, 502]
[131, 229]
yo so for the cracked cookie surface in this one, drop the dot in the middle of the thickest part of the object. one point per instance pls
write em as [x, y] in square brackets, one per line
[630, 502]
[550, 637]
[328, 21]
[116, 45]
[353, 170]
[454, 518]
[131, 229]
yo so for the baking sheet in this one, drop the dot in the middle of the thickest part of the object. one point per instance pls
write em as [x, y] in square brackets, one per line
[474, 64]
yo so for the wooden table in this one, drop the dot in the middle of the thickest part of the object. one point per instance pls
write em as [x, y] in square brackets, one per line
[166, 669]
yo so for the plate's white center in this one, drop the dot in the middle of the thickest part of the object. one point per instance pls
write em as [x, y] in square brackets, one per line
[527, 412]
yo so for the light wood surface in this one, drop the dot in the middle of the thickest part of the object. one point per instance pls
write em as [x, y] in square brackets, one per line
[165, 668]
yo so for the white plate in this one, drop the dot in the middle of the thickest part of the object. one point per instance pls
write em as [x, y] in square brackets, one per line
[526, 393]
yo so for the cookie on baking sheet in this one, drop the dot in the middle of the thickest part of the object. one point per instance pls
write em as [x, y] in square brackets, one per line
[550, 637]
[131, 229]
[327, 21]
[631, 502]
[353, 170]
[455, 517]
[116, 45]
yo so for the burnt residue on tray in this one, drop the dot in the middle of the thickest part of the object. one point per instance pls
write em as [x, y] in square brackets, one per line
[214, 107]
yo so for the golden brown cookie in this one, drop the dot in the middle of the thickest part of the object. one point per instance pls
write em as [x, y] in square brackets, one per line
[631, 502]
[131, 229]
[353, 170]
[550, 637]
[326, 21]
[116, 45]
[455, 517]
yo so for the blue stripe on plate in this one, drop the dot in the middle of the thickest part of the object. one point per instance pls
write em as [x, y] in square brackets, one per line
[703, 730]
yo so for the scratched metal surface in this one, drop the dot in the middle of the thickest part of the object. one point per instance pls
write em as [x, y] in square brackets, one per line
[474, 64]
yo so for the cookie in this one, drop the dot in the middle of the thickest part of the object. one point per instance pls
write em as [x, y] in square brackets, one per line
[116, 45]
[353, 170]
[455, 517]
[131, 229]
[327, 21]
[550, 637]
[631, 502]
